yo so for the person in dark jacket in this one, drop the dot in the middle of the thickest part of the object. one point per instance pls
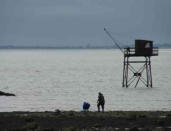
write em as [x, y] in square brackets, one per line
[100, 102]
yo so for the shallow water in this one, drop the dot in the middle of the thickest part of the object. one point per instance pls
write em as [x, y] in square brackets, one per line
[45, 80]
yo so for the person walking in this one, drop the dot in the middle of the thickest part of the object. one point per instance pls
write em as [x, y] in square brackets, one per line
[100, 102]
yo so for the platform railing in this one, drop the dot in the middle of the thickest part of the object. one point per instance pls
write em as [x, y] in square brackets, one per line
[131, 52]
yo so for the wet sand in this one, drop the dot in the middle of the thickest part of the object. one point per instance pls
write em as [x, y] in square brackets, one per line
[87, 121]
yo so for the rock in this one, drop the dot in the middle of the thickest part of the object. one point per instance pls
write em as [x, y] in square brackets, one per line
[6, 94]
[57, 112]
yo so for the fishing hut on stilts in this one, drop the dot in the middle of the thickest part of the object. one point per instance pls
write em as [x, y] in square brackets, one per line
[143, 49]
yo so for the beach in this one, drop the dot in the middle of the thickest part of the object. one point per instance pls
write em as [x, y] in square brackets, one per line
[64, 79]
[86, 121]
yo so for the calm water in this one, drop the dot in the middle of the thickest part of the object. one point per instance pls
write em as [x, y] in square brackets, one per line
[45, 80]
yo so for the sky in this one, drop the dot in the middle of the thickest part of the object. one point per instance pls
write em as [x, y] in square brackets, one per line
[81, 22]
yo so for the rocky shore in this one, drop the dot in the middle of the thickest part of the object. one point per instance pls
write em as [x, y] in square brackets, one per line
[86, 121]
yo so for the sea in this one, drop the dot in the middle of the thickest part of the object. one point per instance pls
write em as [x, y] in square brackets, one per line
[51, 79]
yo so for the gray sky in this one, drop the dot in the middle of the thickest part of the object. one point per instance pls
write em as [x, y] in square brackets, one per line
[81, 22]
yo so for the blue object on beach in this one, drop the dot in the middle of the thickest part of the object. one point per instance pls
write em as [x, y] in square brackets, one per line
[86, 106]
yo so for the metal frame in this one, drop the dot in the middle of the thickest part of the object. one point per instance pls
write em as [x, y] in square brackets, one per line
[137, 75]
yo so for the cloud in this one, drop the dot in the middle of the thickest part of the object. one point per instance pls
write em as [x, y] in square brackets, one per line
[56, 22]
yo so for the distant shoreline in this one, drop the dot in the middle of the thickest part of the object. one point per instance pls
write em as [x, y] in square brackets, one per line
[53, 48]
